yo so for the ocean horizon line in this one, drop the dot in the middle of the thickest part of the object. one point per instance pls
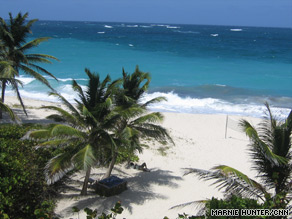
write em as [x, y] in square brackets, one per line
[165, 23]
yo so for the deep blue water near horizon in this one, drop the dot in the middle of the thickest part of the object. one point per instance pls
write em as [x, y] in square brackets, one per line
[200, 69]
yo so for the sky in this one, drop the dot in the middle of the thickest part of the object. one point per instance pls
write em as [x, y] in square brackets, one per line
[265, 13]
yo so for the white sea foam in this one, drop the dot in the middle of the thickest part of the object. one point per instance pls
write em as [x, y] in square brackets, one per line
[132, 26]
[146, 26]
[180, 31]
[174, 103]
[70, 79]
[214, 34]
[159, 25]
[171, 27]
[179, 104]
[101, 32]
[108, 26]
[165, 25]
[235, 29]
[131, 45]
[25, 80]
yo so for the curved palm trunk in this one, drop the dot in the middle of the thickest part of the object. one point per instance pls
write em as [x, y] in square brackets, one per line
[2, 96]
[85, 183]
[111, 166]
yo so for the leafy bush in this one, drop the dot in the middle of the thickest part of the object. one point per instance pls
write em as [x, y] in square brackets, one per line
[234, 202]
[91, 214]
[22, 184]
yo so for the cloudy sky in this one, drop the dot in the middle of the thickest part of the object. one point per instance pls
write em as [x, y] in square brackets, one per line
[271, 13]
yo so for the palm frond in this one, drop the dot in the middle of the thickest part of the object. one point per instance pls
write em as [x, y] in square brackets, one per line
[41, 134]
[42, 56]
[36, 75]
[56, 118]
[200, 205]
[34, 59]
[76, 87]
[54, 143]
[233, 181]
[130, 112]
[84, 158]
[154, 100]
[6, 108]
[288, 122]
[149, 118]
[60, 130]
[227, 171]
[154, 131]
[273, 122]
[64, 115]
[58, 166]
[261, 149]
[7, 70]
[33, 43]
[40, 69]
[66, 103]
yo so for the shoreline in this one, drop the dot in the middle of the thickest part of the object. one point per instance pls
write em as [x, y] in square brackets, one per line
[173, 105]
[200, 142]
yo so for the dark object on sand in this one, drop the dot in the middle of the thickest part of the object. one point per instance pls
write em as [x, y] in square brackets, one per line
[110, 186]
[142, 167]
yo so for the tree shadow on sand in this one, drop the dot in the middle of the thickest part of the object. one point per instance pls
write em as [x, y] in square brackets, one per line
[139, 190]
[30, 118]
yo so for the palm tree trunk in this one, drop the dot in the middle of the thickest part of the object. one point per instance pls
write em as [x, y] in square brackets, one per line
[111, 166]
[85, 183]
[2, 96]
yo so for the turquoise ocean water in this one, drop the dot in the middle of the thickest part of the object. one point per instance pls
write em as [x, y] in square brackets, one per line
[200, 69]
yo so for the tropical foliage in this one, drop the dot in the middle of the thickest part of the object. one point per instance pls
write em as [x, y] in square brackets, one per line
[22, 185]
[84, 129]
[270, 151]
[6, 108]
[15, 56]
[104, 123]
[134, 122]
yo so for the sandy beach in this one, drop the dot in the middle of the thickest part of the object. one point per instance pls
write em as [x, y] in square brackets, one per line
[199, 143]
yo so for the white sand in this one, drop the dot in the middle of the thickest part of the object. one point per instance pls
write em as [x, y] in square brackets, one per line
[199, 143]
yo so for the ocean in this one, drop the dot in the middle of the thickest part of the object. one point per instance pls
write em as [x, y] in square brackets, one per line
[199, 69]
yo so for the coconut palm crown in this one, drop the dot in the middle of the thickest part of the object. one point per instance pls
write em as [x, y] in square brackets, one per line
[84, 129]
[135, 122]
[271, 156]
[15, 56]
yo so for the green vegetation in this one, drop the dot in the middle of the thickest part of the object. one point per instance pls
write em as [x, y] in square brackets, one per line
[107, 124]
[22, 184]
[91, 214]
[233, 202]
[270, 151]
[85, 129]
[4, 107]
[15, 56]
[134, 123]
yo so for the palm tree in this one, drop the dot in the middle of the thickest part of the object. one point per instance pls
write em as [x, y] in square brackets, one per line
[135, 122]
[14, 51]
[271, 155]
[86, 129]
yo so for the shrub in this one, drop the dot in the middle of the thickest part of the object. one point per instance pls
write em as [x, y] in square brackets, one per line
[22, 184]
[234, 202]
